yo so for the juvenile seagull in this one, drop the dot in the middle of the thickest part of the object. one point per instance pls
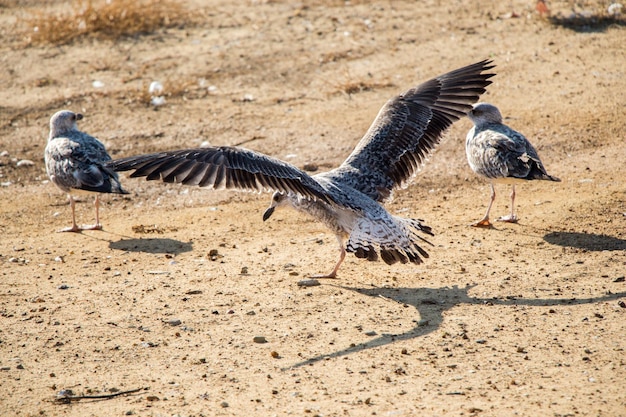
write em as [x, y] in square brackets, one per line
[500, 154]
[347, 199]
[75, 162]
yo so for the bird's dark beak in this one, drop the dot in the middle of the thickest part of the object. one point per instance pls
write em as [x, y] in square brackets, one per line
[79, 116]
[268, 213]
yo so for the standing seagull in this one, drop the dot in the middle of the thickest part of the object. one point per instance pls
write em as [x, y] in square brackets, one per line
[75, 161]
[500, 154]
[347, 199]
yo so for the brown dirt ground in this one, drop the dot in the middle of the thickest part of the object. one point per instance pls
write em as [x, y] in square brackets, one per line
[524, 319]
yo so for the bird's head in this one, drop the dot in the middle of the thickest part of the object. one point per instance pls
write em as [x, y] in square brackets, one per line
[63, 121]
[483, 113]
[278, 199]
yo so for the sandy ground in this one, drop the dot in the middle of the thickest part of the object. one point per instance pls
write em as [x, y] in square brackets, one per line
[523, 319]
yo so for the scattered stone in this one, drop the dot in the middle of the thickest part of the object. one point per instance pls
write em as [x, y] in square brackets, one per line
[244, 270]
[20, 366]
[481, 341]
[152, 398]
[370, 333]
[308, 283]
[174, 322]
[193, 292]
[224, 404]
[157, 101]
[25, 163]
[251, 313]
[63, 287]
[155, 88]
[620, 279]
[65, 393]
[621, 303]
[422, 322]
[274, 354]
[311, 167]
[259, 339]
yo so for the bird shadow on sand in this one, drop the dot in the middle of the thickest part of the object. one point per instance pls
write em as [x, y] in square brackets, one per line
[431, 303]
[588, 241]
[152, 245]
[587, 23]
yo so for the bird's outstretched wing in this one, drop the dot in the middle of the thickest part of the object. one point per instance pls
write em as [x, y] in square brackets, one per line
[223, 167]
[407, 128]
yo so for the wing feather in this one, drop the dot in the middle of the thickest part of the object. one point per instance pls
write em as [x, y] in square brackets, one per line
[408, 128]
[223, 167]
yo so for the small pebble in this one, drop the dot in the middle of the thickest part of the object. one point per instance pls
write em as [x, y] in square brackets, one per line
[311, 167]
[174, 322]
[25, 163]
[259, 339]
[370, 333]
[308, 283]
[63, 287]
[619, 279]
[224, 404]
[155, 88]
[422, 322]
[157, 101]
[274, 354]
[481, 341]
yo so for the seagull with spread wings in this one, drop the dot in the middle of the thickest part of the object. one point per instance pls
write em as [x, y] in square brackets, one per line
[349, 198]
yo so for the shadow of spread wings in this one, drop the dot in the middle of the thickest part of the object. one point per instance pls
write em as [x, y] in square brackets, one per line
[407, 128]
[223, 167]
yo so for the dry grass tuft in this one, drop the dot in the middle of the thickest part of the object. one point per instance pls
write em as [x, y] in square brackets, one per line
[110, 19]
